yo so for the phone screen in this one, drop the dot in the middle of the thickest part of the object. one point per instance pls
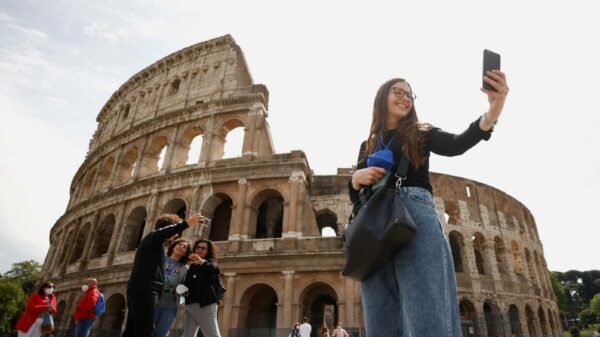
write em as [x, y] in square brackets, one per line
[491, 61]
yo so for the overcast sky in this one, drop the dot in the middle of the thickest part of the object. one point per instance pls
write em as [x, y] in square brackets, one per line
[322, 62]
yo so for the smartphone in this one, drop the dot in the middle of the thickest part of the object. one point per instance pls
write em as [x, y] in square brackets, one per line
[491, 61]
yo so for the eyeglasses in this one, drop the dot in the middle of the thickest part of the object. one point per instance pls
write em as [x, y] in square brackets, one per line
[399, 92]
[201, 248]
[183, 245]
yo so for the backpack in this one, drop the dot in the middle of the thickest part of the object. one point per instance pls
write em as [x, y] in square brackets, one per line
[100, 306]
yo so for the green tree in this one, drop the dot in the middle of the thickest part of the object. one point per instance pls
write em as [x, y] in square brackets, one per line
[559, 291]
[595, 304]
[26, 273]
[12, 303]
[587, 317]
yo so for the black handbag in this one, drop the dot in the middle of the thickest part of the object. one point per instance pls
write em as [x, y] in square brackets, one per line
[381, 228]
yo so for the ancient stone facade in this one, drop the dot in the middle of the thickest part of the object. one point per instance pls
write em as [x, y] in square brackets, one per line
[268, 211]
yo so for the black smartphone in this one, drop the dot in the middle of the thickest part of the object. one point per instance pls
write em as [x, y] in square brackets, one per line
[491, 61]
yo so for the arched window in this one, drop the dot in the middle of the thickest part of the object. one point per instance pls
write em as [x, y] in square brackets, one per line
[176, 206]
[127, 165]
[154, 156]
[327, 222]
[80, 242]
[478, 250]
[134, 229]
[456, 246]
[103, 236]
[218, 208]
[500, 255]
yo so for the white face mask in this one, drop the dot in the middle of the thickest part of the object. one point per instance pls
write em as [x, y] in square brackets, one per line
[84, 287]
[48, 291]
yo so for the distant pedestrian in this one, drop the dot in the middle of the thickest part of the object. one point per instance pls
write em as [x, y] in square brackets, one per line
[324, 330]
[339, 331]
[84, 313]
[305, 328]
[145, 285]
[42, 301]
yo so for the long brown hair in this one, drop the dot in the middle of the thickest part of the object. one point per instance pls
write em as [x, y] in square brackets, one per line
[408, 128]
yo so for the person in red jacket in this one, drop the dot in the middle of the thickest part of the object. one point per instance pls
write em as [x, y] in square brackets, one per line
[30, 323]
[84, 314]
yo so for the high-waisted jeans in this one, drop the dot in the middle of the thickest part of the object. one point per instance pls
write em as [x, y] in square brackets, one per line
[414, 294]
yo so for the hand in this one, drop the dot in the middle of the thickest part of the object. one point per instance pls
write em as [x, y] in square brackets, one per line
[367, 176]
[195, 219]
[49, 308]
[496, 79]
[196, 259]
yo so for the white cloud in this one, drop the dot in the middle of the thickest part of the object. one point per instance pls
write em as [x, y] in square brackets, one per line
[104, 31]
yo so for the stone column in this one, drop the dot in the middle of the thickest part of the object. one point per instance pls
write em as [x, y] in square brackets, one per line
[290, 229]
[171, 149]
[153, 204]
[116, 167]
[117, 234]
[228, 305]
[140, 160]
[349, 317]
[248, 148]
[286, 317]
[85, 255]
[238, 220]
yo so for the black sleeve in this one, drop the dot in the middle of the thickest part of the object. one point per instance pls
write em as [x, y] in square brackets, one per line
[166, 232]
[360, 164]
[449, 144]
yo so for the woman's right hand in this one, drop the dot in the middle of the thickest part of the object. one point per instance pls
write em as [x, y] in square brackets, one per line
[367, 176]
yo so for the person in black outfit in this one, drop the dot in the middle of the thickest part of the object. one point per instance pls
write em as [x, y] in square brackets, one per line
[414, 294]
[147, 275]
[205, 290]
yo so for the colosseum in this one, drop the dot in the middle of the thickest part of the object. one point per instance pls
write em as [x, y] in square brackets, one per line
[269, 212]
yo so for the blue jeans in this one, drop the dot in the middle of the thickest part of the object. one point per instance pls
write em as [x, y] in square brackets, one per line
[82, 327]
[414, 294]
[163, 318]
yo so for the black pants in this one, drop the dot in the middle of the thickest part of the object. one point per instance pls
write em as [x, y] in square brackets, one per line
[140, 313]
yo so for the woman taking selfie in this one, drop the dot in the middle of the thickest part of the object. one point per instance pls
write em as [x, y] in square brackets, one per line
[414, 294]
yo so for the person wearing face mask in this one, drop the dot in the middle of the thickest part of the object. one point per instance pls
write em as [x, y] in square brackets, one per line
[146, 281]
[84, 313]
[30, 323]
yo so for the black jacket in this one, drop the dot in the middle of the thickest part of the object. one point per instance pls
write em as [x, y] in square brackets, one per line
[201, 281]
[148, 272]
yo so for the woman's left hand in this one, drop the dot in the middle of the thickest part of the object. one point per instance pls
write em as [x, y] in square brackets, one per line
[496, 79]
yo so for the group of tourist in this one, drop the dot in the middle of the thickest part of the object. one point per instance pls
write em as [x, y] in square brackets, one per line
[158, 284]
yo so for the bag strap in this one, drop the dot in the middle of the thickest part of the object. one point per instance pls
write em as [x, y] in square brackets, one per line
[402, 170]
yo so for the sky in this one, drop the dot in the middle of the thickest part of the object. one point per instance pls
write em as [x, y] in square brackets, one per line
[322, 62]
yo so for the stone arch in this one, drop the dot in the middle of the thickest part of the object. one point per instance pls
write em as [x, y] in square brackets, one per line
[267, 213]
[530, 320]
[539, 270]
[478, 241]
[258, 308]
[112, 320]
[543, 322]
[457, 247]
[60, 313]
[105, 173]
[530, 267]
[134, 229]
[500, 252]
[515, 321]
[127, 164]
[468, 318]
[183, 146]
[516, 255]
[88, 183]
[155, 151]
[319, 302]
[493, 318]
[551, 322]
[80, 241]
[326, 218]
[218, 148]
[218, 207]
[176, 206]
[69, 240]
[103, 236]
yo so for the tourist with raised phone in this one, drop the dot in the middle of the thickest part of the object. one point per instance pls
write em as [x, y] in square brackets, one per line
[414, 293]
